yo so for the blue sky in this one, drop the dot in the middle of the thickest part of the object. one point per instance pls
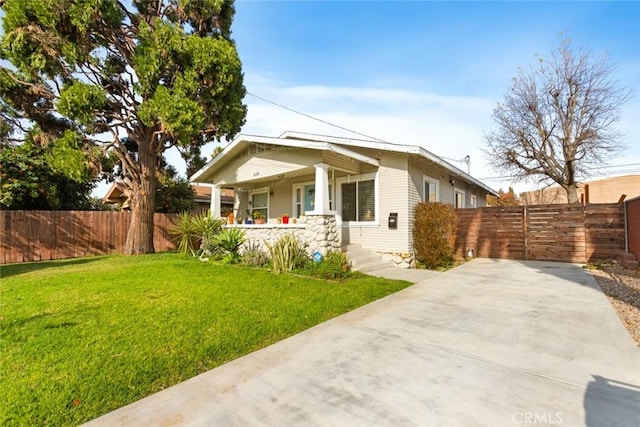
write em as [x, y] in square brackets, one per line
[419, 72]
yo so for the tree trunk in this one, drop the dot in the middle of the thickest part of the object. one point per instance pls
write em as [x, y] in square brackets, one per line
[143, 191]
[572, 193]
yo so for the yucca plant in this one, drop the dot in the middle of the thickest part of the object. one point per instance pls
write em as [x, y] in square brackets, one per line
[286, 254]
[230, 240]
[207, 227]
[184, 232]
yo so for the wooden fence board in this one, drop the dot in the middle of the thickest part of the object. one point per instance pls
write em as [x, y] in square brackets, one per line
[45, 235]
[572, 233]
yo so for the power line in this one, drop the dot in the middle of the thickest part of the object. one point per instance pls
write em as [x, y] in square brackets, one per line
[315, 118]
[593, 169]
[466, 159]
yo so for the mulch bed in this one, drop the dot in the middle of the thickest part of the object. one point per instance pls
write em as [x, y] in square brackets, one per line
[622, 287]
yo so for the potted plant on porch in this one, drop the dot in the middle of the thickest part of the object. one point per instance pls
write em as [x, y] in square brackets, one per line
[258, 218]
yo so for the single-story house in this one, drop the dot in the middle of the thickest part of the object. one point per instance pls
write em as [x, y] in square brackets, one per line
[335, 191]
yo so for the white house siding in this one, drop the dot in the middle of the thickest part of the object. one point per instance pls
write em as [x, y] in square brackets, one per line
[341, 163]
[265, 164]
[392, 197]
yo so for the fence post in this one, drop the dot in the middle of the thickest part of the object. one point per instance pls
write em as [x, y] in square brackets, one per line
[525, 232]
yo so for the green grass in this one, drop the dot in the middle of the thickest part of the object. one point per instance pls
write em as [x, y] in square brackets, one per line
[83, 337]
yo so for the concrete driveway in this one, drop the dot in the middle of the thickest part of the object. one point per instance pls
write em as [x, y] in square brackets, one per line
[492, 342]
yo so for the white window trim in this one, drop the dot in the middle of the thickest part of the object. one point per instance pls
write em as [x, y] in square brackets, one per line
[268, 201]
[376, 190]
[473, 201]
[464, 197]
[301, 185]
[430, 180]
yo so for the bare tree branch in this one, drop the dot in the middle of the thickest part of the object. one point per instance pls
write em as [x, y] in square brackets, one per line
[557, 120]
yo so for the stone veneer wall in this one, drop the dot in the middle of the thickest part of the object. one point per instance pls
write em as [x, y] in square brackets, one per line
[316, 232]
[400, 260]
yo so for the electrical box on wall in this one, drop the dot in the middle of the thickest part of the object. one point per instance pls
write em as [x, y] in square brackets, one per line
[393, 220]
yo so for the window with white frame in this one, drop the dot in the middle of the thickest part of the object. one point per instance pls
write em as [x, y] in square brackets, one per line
[431, 191]
[359, 201]
[260, 203]
[300, 205]
[472, 201]
[297, 202]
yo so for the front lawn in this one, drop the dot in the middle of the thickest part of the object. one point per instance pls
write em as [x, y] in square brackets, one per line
[83, 337]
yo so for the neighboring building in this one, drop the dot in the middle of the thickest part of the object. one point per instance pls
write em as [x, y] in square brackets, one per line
[607, 190]
[202, 199]
[348, 191]
[116, 196]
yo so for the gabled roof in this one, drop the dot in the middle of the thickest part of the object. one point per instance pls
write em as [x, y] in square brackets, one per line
[328, 143]
[241, 141]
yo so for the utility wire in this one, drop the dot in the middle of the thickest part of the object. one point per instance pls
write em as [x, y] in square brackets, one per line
[315, 118]
[494, 178]
[466, 159]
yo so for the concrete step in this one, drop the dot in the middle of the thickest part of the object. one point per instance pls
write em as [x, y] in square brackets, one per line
[363, 260]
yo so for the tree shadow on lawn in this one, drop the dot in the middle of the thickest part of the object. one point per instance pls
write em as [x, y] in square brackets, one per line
[9, 270]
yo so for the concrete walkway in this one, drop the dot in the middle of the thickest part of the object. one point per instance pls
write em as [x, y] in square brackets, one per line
[492, 342]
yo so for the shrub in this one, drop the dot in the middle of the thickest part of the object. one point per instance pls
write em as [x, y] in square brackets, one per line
[207, 229]
[230, 240]
[184, 232]
[287, 254]
[195, 231]
[434, 234]
[253, 255]
[335, 265]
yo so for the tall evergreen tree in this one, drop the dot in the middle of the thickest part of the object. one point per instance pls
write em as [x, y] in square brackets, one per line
[122, 79]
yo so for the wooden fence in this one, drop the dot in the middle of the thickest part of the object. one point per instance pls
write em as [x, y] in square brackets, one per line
[570, 233]
[45, 235]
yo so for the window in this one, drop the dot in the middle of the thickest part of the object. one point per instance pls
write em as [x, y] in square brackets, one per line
[358, 201]
[472, 201]
[431, 190]
[260, 203]
[298, 203]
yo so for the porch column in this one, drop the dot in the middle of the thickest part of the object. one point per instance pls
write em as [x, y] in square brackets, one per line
[216, 211]
[321, 201]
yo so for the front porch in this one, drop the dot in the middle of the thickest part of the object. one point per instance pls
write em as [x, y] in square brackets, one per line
[317, 233]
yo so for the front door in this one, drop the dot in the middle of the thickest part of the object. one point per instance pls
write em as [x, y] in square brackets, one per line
[309, 197]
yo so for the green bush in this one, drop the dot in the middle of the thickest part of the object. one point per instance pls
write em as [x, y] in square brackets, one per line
[254, 256]
[434, 234]
[191, 232]
[335, 265]
[287, 254]
[184, 232]
[230, 240]
[207, 229]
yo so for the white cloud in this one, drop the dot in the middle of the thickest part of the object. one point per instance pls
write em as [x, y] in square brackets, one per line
[449, 126]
